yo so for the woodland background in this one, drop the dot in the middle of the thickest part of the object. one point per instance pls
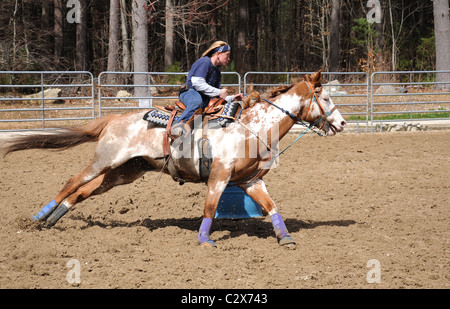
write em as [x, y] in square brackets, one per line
[265, 35]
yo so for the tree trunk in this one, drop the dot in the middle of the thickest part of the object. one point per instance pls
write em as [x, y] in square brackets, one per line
[442, 35]
[334, 36]
[58, 31]
[45, 18]
[242, 31]
[81, 37]
[113, 45]
[253, 13]
[168, 51]
[14, 23]
[394, 40]
[140, 50]
[379, 43]
[126, 55]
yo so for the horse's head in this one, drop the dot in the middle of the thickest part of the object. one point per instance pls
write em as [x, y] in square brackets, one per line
[319, 109]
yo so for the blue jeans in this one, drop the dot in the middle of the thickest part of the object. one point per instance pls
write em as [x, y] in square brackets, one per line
[193, 101]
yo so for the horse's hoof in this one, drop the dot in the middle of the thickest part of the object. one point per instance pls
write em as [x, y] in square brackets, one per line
[56, 215]
[208, 243]
[287, 241]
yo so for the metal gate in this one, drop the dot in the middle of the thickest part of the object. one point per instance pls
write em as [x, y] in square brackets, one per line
[30, 100]
[36, 100]
[118, 91]
[407, 96]
[349, 90]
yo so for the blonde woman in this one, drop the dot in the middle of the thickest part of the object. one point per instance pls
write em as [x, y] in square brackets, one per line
[204, 82]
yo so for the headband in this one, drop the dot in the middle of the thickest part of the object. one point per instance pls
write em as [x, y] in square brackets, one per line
[222, 49]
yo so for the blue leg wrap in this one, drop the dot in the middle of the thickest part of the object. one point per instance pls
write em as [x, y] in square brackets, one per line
[56, 215]
[203, 233]
[45, 211]
[279, 226]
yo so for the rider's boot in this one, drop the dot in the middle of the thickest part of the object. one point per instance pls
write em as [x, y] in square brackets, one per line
[180, 129]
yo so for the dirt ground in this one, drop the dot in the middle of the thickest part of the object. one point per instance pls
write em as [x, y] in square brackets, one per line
[346, 200]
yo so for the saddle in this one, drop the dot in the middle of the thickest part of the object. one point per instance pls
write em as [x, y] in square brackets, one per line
[217, 108]
[217, 114]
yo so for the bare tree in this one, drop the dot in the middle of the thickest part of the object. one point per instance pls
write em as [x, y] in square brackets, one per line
[81, 50]
[334, 36]
[113, 45]
[190, 16]
[242, 31]
[379, 41]
[58, 31]
[442, 35]
[14, 23]
[140, 48]
[168, 51]
[126, 55]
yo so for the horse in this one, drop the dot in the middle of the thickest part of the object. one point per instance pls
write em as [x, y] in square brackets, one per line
[241, 153]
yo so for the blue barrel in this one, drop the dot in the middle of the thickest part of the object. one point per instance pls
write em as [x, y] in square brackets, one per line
[236, 204]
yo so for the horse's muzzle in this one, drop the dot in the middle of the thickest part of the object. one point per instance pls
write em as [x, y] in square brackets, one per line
[331, 128]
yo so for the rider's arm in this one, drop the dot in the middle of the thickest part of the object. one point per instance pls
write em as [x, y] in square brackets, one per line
[200, 84]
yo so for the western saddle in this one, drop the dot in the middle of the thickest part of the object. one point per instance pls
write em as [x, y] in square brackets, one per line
[217, 109]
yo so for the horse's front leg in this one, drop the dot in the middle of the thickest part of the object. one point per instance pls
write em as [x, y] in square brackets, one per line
[217, 183]
[258, 192]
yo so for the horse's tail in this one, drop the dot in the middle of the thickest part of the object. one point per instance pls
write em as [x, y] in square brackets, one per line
[61, 138]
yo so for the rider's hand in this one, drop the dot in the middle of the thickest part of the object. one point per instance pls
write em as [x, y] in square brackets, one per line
[238, 97]
[223, 93]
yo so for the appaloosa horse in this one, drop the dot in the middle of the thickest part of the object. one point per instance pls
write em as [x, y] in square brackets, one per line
[241, 152]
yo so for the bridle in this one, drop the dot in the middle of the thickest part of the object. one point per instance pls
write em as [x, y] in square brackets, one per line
[298, 121]
[324, 114]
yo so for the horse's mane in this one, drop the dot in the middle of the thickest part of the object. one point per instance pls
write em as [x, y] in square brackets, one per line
[279, 90]
[285, 88]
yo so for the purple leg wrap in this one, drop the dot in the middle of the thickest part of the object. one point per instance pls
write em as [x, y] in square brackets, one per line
[279, 226]
[203, 233]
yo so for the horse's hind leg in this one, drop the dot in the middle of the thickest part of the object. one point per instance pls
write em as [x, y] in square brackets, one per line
[89, 173]
[124, 174]
[84, 191]
[258, 192]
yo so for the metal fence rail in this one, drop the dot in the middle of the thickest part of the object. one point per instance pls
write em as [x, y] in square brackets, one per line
[365, 100]
[160, 88]
[412, 99]
[42, 105]
[349, 90]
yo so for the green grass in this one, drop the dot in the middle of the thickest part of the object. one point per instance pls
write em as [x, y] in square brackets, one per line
[405, 116]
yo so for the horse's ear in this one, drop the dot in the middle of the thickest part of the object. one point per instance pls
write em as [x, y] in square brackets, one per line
[317, 77]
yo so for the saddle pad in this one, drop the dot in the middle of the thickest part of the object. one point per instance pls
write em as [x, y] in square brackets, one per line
[229, 110]
[161, 118]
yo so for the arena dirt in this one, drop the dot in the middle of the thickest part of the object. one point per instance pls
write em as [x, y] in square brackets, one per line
[346, 200]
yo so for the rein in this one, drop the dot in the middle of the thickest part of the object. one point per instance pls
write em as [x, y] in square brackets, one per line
[297, 121]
